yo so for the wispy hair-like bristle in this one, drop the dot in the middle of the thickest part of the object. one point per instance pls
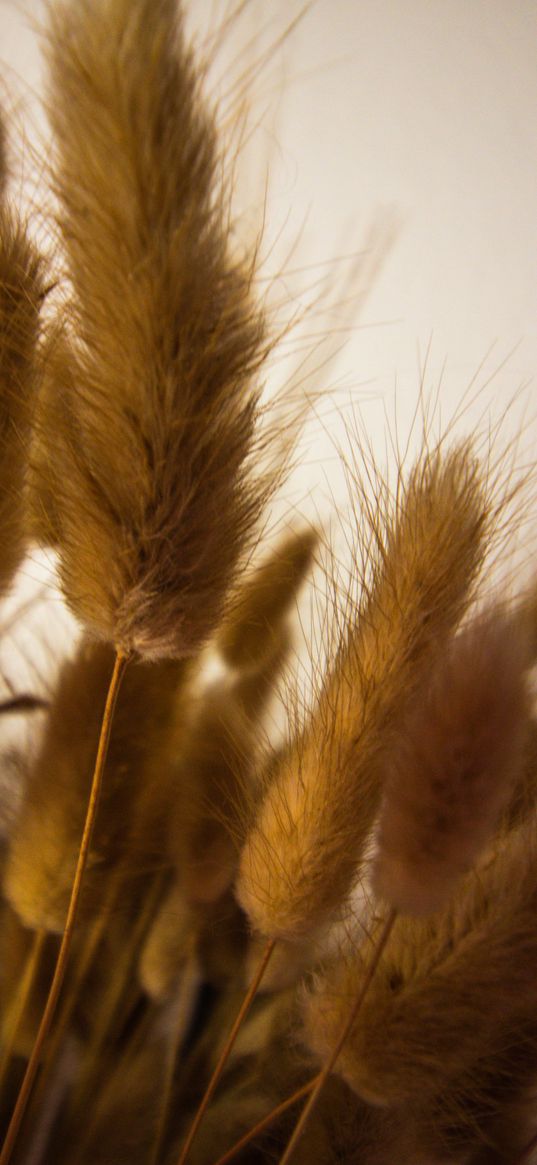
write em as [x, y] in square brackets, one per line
[151, 429]
[453, 763]
[21, 296]
[307, 844]
[523, 798]
[448, 1024]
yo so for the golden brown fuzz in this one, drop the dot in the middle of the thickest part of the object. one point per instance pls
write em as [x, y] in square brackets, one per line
[21, 296]
[453, 764]
[133, 431]
[216, 760]
[306, 846]
[215, 775]
[449, 1020]
[140, 766]
[168, 945]
[148, 431]
[253, 629]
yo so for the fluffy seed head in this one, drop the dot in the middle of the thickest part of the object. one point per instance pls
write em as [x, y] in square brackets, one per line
[448, 1022]
[250, 633]
[139, 771]
[214, 778]
[216, 758]
[148, 430]
[453, 762]
[167, 946]
[305, 848]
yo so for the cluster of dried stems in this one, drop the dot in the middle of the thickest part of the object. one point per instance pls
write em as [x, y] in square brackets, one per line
[373, 877]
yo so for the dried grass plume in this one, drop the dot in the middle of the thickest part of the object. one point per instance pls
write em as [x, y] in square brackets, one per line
[308, 842]
[148, 432]
[453, 764]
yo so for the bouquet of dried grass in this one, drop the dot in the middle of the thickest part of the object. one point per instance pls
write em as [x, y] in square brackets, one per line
[201, 930]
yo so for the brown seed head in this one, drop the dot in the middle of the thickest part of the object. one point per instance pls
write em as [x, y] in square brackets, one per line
[148, 430]
[448, 1024]
[308, 842]
[452, 765]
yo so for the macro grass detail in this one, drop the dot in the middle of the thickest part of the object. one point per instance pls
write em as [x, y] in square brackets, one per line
[353, 896]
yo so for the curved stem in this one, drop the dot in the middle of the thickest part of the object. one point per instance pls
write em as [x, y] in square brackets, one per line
[68, 1002]
[330, 1063]
[120, 664]
[228, 1047]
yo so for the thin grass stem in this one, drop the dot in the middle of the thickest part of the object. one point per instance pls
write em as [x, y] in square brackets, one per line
[226, 1052]
[68, 1003]
[120, 664]
[267, 1120]
[110, 1005]
[330, 1063]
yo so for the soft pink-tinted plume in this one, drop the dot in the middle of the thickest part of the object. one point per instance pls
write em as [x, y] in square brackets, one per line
[450, 771]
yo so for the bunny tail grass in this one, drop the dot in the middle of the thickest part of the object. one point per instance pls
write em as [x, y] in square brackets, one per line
[226, 1052]
[138, 785]
[453, 764]
[214, 776]
[308, 842]
[148, 430]
[251, 630]
[449, 1025]
[216, 762]
[61, 964]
